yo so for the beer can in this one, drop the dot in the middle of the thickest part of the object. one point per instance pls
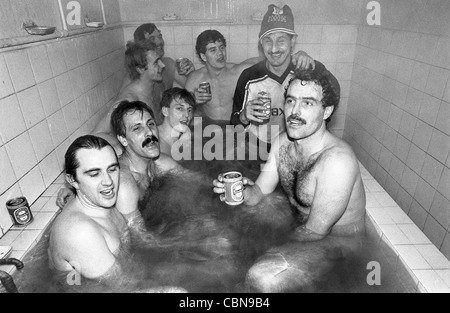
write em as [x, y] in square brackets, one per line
[267, 102]
[20, 212]
[234, 188]
[206, 86]
[179, 61]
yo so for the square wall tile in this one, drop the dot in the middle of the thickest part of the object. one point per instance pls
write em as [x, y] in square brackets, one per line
[424, 194]
[418, 214]
[439, 147]
[70, 54]
[312, 34]
[429, 109]
[440, 210]
[41, 221]
[422, 135]
[64, 88]
[434, 231]
[8, 176]
[49, 97]
[40, 63]
[409, 180]
[437, 81]
[183, 35]
[441, 54]
[442, 123]
[420, 75]
[56, 57]
[32, 185]
[432, 171]
[41, 140]
[407, 125]
[50, 168]
[12, 123]
[444, 183]
[414, 234]
[412, 258]
[238, 34]
[6, 87]
[58, 127]
[21, 154]
[25, 240]
[434, 257]
[20, 70]
[31, 105]
[415, 159]
[331, 34]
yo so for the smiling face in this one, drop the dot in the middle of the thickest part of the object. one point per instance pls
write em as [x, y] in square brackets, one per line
[141, 135]
[97, 177]
[277, 48]
[157, 38]
[305, 113]
[215, 55]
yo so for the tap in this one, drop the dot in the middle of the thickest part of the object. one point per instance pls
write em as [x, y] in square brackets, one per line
[5, 278]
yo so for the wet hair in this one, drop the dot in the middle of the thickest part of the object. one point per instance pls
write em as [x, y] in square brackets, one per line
[83, 142]
[136, 56]
[124, 108]
[323, 78]
[207, 37]
[139, 33]
[176, 93]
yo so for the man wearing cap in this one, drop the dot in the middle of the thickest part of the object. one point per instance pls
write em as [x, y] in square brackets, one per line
[320, 174]
[277, 39]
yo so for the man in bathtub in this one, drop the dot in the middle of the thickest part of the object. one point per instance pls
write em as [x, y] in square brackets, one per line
[145, 67]
[177, 108]
[91, 236]
[223, 76]
[321, 176]
[170, 75]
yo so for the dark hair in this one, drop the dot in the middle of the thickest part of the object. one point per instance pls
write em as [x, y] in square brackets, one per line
[322, 77]
[83, 142]
[124, 108]
[207, 37]
[139, 33]
[176, 93]
[136, 56]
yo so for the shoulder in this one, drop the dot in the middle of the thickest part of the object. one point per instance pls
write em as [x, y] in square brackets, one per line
[74, 228]
[339, 158]
[166, 164]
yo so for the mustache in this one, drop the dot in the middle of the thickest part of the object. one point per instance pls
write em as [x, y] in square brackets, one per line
[295, 118]
[150, 140]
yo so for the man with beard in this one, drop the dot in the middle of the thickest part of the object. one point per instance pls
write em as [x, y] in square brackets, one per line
[222, 76]
[145, 67]
[90, 236]
[177, 106]
[321, 176]
[149, 32]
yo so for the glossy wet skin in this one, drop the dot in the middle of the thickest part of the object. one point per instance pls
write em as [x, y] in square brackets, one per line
[157, 38]
[215, 55]
[97, 177]
[141, 134]
[277, 48]
[179, 114]
[305, 113]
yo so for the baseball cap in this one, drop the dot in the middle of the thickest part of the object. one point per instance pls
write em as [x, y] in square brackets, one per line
[277, 20]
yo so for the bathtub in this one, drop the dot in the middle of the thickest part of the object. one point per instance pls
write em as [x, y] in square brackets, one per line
[420, 265]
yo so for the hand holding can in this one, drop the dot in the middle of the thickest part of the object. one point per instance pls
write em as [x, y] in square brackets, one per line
[230, 186]
[181, 63]
[206, 87]
[264, 97]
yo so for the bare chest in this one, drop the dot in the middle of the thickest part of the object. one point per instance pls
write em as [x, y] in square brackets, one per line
[298, 179]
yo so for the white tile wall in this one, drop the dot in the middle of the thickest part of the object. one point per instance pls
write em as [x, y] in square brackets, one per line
[43, 107]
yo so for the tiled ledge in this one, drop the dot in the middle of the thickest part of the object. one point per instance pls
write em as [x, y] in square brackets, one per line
[405, 246]
[408, 250]
[23, 239]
